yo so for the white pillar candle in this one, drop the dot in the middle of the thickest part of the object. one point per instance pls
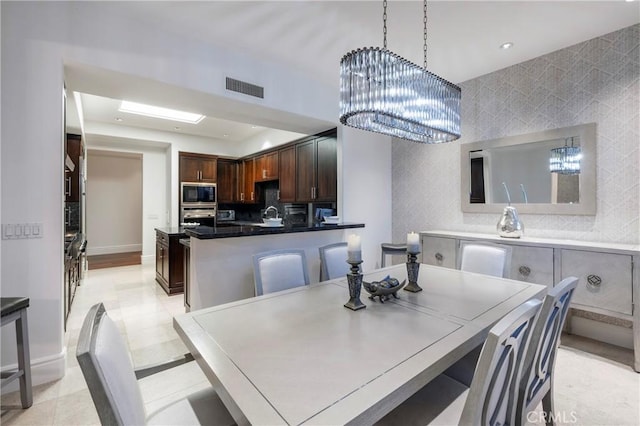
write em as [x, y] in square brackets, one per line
[413, 242]
[354, 251]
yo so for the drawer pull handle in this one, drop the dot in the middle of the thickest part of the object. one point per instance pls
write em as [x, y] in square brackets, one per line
[594, 281]
[524, 270]
[439, 257]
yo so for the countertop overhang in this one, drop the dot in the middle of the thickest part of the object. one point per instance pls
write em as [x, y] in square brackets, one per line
[208, 232]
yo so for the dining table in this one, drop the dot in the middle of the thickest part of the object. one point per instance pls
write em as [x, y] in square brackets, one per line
[300, 357]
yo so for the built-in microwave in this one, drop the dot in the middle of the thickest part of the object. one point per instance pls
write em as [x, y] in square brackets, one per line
[198, 194]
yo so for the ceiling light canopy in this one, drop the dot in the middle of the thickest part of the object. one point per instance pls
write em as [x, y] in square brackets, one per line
[507, 45]
[159, 112]
[385, 93]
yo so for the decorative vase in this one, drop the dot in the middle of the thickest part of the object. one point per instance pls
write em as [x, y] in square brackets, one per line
[509, 225]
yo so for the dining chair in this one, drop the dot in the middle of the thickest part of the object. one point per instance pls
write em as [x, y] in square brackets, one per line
[537, 374]
[106, 365]
[491, 397]
[485, 258]
[333, 261]
[278, 270]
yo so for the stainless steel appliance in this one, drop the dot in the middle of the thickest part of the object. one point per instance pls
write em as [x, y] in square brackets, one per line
[295, 214]
[189, 213]
[198, 194]
[225, 215]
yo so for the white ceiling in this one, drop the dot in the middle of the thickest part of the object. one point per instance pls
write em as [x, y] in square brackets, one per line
[311, 36]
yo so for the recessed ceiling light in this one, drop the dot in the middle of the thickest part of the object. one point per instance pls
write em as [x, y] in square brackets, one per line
[118, 119]
[159, 112]
[254, 127]
[225, 135]
[507, 45]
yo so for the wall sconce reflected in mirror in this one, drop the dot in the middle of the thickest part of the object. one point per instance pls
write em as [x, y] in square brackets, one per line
[566, 159]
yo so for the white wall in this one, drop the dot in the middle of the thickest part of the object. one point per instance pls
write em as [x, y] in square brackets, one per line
[575, 85]
[37, 40]
[114, 202]
[364, 169]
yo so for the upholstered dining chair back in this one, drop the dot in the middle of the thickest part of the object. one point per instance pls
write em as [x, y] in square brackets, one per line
[279, 270]
[485, 258]
[537, 374]
[494, 388]
[333, 261]
[105, 363]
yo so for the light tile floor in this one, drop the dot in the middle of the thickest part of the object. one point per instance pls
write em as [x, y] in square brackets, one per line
[595, 384]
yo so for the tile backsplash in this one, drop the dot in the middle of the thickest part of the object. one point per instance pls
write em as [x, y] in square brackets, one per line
[594, 81]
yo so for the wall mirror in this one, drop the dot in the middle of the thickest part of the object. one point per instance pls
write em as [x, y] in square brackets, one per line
[522, 163]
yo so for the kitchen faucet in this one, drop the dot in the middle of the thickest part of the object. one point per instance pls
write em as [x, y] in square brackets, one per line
[270, 208]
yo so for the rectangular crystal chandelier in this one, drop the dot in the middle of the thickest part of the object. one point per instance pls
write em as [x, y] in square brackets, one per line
[383, 92]
[566, 159]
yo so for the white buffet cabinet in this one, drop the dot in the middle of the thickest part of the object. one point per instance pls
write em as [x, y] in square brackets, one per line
[608, 293]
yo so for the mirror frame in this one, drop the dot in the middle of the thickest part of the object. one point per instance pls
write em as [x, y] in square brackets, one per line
[587, 204]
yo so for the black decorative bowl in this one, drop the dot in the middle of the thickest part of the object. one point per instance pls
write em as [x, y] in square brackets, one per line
[384, 288]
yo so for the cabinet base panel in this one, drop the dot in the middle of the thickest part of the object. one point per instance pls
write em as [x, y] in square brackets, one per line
[170, 290]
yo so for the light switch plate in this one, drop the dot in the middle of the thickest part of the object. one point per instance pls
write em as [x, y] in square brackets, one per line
[7, 231]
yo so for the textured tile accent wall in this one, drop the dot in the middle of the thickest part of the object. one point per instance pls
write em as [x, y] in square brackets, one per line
[594, 81]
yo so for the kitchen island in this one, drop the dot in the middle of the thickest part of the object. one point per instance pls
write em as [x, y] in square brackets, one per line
[221, 258]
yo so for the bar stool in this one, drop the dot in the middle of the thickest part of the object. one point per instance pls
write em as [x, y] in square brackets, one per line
[15, 309]
[392, 249]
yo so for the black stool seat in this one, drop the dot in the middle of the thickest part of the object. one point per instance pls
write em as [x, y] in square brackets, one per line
[9, 305]
[390, 248]
[14, 309]
[393, 248]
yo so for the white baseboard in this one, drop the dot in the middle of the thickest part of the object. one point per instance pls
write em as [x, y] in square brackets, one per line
[127, 248]
[148, 259]
[43, 370]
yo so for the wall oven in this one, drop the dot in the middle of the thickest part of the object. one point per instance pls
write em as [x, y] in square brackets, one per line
[198, 194]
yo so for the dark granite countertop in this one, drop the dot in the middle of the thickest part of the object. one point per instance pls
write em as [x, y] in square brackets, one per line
[173, 230]
[207, 232]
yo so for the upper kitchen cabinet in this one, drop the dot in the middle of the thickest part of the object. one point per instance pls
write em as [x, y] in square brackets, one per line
[227, 180]
[72, 168]
[287, 175]
[316, 169]
[248, 192]
[266, 167]
[198, 167]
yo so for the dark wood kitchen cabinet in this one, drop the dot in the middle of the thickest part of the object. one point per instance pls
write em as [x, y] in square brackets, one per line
[169, 261]
[248, 192]
[316, 170]
[287, 175]
[198, 167]
[266, 167]
[227, 180]
[72, 177]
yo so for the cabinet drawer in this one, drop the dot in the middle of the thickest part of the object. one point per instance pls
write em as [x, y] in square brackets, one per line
[532, 264]
[439, 251]
[162, 238]
[605, 279]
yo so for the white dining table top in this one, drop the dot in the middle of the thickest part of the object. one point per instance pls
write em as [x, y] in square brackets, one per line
[299, 356]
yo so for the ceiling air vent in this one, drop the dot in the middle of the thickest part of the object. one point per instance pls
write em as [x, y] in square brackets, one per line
[244, 87]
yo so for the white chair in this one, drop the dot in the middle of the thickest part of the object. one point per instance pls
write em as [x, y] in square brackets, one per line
[279, 270]
[537, 374]
[333, 261]
[490, 400]
[108, 371]
[485, 258]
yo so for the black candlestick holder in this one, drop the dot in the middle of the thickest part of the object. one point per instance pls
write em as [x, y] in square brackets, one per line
[354, 278]
[413, 268]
